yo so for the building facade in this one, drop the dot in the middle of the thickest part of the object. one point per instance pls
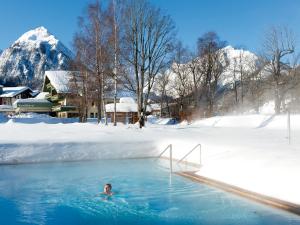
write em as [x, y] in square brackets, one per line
[8, 95]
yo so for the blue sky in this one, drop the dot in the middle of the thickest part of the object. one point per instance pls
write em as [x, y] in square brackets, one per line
[239, 22]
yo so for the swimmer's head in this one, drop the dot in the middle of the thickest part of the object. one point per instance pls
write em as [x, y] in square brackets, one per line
[107, 188]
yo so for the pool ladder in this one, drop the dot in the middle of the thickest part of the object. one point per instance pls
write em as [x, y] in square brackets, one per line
[170, 148]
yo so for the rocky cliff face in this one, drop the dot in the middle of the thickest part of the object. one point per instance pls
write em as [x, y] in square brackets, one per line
[26, 60]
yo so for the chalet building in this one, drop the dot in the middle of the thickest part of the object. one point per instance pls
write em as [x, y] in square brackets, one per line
[8, 95]
[126, 111]
[155, 109]
[58, 86]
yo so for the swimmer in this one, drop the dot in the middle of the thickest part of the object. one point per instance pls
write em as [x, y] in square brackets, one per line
[107, 189]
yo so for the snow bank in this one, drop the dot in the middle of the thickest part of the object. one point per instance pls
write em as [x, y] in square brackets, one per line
[24, 143]
[33, 118]
[73, 151]
[251, 121]
[161, 121]
[152, 119]
[167, 121]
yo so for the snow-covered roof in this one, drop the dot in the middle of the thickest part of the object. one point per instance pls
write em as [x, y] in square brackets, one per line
[42, 95]
[9, 92]
[59, 79]
[126, 104]
[35, 93]
[122, 107]
[30, 101]
[155, 106]
[127, 100]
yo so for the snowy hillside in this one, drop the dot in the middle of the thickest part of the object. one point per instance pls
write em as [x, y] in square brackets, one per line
[238, 60]
[28, 57]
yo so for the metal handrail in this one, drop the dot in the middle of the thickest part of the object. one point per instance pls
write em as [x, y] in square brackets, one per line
[200, 147]
[171, 157]
[169, 146]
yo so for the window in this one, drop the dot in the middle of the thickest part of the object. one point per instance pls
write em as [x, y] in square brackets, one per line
[91, 115]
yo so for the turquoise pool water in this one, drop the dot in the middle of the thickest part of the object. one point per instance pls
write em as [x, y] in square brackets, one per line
[145, 193]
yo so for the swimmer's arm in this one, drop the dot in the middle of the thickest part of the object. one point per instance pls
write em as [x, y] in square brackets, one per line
[103, 194]
[99, 194]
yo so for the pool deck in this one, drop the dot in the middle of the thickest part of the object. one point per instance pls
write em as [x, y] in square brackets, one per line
[277, 203]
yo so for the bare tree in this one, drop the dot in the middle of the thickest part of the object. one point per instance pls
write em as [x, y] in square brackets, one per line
[115, 60]
[82, 81]
[182, 81]
[148, 39]
[292, 88]
[95, 29]
[255, 85]
[235, 82]
[95, 18]
[278, 45]
[212, 65]
[239, 68]
[113, 18]
[162, 85]
[194, 66]
[244, 65]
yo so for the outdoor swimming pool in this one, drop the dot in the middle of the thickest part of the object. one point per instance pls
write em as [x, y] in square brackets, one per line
[145, 193]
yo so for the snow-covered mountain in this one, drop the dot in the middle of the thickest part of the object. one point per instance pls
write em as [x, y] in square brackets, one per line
[237, 59]
[25, 61]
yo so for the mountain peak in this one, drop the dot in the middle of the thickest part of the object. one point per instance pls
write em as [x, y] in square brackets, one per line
[36, 36]
[229, 47]
[26, 60]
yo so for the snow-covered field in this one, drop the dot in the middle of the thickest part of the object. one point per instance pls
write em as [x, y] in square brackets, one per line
[249, 151]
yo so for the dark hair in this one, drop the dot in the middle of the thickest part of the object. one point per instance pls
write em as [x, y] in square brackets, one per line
[109, 185]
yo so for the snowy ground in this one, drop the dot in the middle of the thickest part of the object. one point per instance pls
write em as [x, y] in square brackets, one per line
[251, 151]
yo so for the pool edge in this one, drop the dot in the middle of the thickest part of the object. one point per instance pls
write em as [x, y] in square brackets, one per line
[270, 201]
